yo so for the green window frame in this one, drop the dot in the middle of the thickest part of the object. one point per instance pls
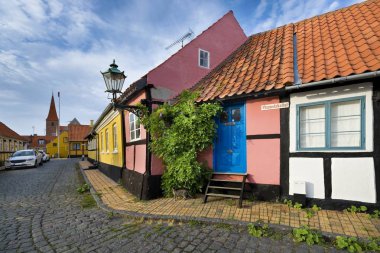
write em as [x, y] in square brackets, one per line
[328, 124]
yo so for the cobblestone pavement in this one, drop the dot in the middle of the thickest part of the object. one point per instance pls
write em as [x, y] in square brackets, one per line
[40, 211]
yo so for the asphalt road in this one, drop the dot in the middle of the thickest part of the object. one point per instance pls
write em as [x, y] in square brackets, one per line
[40, 211]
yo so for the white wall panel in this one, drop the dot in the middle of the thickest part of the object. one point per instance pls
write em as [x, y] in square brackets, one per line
[309, 170]
[353, 179]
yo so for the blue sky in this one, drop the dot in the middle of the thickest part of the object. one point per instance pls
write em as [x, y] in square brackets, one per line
[50, 45]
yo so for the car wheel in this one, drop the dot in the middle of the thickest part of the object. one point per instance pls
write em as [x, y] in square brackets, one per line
[35, 164]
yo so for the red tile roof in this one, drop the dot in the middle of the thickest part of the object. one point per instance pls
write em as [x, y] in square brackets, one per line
[33, 140]
[5, 131]
[336, 44]
[52, 116]
[78, 132]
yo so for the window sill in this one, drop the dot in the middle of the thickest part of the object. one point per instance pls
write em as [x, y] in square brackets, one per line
[115, 152]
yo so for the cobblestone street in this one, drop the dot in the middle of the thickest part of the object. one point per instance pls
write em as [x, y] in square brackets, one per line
[40, 211]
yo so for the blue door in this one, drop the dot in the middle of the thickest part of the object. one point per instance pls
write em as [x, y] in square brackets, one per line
[230, 144]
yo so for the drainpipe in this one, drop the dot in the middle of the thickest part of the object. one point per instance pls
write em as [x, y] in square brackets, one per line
[372, 74]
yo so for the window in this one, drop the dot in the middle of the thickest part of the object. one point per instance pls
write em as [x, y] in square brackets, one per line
[336, 124]
[204, 59]
[134, 127]
[114, 135]
[54, 144]
[52, 123]
[76, 146]
[107, 147]
[41, 142]
[65, 139]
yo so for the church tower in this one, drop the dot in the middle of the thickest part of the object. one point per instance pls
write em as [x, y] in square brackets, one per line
[52, 119]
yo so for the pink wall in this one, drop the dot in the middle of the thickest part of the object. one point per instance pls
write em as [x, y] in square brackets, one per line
[181, 70]
[157, 166]
[263, 161]
[262, 122]
[135, 155]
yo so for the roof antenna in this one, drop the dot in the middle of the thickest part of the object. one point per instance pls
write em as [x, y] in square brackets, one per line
[188, 35]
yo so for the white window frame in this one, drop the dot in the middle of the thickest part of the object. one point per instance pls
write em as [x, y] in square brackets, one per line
[114, 137]
[107, 141]
[102, 142]
[199, 58]
[135, 128]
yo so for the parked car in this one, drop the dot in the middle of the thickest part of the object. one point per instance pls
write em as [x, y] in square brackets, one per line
[24, 158]
[45, 156]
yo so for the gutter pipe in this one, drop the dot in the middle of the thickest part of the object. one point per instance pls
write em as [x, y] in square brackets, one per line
[372, 74]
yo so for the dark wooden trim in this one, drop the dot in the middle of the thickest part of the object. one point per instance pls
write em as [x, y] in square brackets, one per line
[139, 142]
[284, 147]
[263, 136]
[148, 162]
[327, 177]
[331, 154]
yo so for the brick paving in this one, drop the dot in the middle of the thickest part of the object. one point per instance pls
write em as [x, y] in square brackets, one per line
[116, 197]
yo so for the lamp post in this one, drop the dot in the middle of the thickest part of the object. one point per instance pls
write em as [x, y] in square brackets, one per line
[114, 80]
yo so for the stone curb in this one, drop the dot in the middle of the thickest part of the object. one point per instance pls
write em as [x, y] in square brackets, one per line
[213, 221]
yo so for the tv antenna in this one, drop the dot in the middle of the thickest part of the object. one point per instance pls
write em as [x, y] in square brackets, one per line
[188, 35]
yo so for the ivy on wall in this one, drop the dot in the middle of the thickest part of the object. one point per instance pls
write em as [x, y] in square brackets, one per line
[178, 133]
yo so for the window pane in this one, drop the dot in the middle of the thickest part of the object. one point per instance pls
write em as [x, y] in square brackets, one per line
[236, 115]
[131, 117]
[224, 117]
[312, 126]
[132, 135]
[346, 124]
[137, 123]
[312, 141]
[137, 133]
[132, 126]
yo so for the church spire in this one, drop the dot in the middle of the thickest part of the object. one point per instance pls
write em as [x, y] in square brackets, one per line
[52, 116]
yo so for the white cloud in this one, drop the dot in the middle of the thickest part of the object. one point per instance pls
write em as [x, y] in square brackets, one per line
[62, 45]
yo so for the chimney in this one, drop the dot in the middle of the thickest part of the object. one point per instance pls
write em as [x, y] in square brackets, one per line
[91, 122]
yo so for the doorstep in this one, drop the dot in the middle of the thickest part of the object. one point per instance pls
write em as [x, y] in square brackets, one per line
[114, 197]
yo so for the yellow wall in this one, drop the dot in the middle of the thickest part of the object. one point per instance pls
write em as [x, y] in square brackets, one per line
[52, 147]
[111, 156]
[82, 148]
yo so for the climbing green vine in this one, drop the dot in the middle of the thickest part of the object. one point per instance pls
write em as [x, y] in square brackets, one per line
[178, 133]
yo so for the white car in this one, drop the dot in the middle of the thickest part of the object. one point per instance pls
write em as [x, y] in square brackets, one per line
[45, 156]
[24, 158]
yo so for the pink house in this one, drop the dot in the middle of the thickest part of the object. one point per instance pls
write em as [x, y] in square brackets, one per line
[142, 172]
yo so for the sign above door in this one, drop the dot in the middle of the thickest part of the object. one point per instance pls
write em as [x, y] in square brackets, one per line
[275, 106]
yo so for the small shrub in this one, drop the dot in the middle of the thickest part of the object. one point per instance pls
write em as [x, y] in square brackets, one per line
[88, 201]
[297, 206]
[305, 234]
[375, 214]
[288, 202]
[258, 230]
[373, 244]
[310, 212]
[348, 243]
[354, 209]
[83, 188]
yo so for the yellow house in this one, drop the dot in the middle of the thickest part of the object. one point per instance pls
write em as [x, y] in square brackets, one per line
[52, 147]
[106, 142]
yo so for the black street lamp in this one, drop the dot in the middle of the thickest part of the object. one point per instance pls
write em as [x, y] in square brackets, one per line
[114, 80]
